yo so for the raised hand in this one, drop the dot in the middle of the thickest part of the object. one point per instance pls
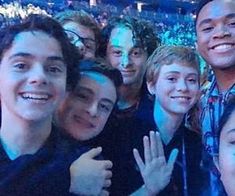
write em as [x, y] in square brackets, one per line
[90, 176]
[155, 171]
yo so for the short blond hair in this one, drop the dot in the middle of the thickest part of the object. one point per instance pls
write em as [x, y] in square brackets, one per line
[166, 55]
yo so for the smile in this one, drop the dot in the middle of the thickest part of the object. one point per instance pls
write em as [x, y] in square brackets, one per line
[182, 98]
[83, 122]
[223, 47]
[35, 97]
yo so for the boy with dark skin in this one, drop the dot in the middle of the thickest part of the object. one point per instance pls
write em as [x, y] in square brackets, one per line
[215, 28]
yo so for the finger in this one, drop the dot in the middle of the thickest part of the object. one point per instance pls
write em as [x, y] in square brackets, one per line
[93, 153]
[172, 158]
[159, 145]
[147, 153]
[153, 144]
[107, 183]
[104, 193]
[138, 159]
[108, 174]
[106, 164]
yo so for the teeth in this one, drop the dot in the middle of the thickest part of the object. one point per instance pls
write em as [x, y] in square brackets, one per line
[224, 46]
[35, 96]
[181, 98]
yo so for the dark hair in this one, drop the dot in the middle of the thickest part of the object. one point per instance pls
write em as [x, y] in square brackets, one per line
[229, 109]
[143, 33]
[99, 66]
[51, 27]
[200, 5]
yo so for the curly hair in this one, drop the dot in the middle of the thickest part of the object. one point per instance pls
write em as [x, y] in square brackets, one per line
[144, 35]
[49, 26]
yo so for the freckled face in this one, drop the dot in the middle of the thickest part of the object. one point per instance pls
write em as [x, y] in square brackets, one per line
[176, 89]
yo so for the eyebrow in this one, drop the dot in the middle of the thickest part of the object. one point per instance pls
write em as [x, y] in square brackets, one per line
[229, 16]
[231, 131]
[28, 55]
[208, 20]
[92, 93]
[177, 72]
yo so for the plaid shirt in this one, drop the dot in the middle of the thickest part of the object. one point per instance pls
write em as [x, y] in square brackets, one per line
[212, 105]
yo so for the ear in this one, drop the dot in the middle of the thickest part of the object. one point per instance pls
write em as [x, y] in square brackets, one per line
[151, 87]
[216, 162]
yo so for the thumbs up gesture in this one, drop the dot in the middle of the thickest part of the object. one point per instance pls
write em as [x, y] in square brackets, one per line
[90, 176]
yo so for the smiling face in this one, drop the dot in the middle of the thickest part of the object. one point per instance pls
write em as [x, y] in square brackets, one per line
[176, 89]
[216, 33]
[226, 161]
[124, 55]
[32, 79]
[85, 42]
[85, 112]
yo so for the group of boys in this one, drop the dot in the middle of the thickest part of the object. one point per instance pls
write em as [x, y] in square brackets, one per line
[126, 43]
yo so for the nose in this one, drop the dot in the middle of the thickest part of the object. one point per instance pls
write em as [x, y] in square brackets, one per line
[182, 85]
[81, 47]
[92, 109]
[221, 31]
[37, 75]
[125, 62]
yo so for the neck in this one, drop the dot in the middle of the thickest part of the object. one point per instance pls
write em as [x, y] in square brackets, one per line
[225, 78]
[26, 137]
[167, 123]
[128, 96]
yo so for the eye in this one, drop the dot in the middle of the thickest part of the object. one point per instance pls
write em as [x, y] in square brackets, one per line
[20, 66]
[192, 80]
[207, 29]
[136, 52]
[81, 95]
[117, 53]
[172, 79]
[54, 69]
[105, 108]
[232, 24]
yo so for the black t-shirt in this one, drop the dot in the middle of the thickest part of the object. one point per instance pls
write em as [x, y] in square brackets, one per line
[44, 173]
[194, 176]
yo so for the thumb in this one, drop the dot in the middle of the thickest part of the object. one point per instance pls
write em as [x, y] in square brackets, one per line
[93, 152]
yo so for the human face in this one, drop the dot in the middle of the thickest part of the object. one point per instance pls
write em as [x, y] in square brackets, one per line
[85, 111]
[82, 37]
[216, 33]
[226, 161]
[176, 89]
[32, 77]
[125, 56]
